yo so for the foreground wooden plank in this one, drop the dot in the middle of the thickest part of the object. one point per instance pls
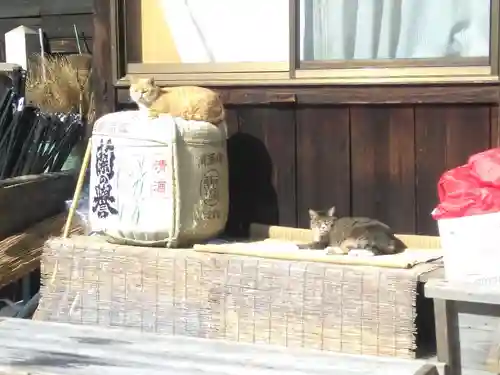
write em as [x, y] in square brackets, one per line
[34, 347]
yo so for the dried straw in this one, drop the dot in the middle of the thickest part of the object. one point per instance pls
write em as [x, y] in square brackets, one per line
[66, 87]
[20, 253]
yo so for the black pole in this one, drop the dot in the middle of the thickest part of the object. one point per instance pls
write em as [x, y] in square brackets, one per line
[19, 82]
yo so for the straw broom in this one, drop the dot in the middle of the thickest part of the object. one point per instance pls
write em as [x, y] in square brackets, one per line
[55, 84]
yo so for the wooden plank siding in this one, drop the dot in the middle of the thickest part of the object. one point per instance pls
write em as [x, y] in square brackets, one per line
[382, 161]
[55, 17]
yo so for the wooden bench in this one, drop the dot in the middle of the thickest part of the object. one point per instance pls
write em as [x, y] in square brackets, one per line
[34, 347]
[452, 298]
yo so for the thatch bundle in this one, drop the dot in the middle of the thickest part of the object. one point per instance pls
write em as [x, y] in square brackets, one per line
[61, 84]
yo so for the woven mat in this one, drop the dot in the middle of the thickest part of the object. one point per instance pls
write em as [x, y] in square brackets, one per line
[286, 250]
[359, 310]
[20, 253]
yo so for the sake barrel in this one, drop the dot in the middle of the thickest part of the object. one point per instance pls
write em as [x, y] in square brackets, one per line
[158, 182]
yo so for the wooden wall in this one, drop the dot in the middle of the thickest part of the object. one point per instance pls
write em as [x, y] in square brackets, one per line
[370, 150]
[379, 160]
[55, 17]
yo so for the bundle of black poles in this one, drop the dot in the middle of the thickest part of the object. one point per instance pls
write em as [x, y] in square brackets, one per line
[32, 142]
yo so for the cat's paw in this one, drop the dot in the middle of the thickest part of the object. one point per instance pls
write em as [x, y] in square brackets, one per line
[334, 250]
[361, 253]
[362, 244]
[311, 246]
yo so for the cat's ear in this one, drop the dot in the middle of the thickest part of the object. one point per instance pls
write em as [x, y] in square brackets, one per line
[331, 211]
[313, 214]
[151, 81]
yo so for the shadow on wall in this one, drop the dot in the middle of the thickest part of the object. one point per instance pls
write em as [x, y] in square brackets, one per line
[252, 195]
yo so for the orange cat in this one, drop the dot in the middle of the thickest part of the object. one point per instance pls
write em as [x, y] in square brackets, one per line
[188, 102]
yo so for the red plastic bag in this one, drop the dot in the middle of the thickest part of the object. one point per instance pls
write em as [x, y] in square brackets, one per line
[471, 189]
[486, 167]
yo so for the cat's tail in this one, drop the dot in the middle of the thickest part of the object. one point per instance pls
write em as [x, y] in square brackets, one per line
[220, 119]
[223, 127]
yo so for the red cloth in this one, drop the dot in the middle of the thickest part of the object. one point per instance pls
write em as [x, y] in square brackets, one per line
[471, 189]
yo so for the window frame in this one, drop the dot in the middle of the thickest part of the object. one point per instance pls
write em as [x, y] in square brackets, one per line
[296, 72]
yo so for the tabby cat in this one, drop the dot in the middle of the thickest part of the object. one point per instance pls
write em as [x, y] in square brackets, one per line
[341, 235]
[188, 102]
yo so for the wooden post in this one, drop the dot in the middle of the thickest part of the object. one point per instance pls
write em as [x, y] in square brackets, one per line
[448, 336]
[103, 62]
[20, 44]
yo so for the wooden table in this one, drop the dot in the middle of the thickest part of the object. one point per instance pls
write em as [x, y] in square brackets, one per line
[452, 298]
[34, 347]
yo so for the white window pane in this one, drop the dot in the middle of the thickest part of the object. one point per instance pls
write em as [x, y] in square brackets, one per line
[212, 31]
[394, 29]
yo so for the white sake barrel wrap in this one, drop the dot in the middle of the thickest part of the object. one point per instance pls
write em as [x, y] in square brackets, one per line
[161, 182]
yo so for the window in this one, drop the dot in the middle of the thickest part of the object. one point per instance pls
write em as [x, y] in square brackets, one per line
[298, 41]
[395, 29]
[213, 31]
[203, 40]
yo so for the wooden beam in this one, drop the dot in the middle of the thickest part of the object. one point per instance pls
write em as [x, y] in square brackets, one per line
[350, 95]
